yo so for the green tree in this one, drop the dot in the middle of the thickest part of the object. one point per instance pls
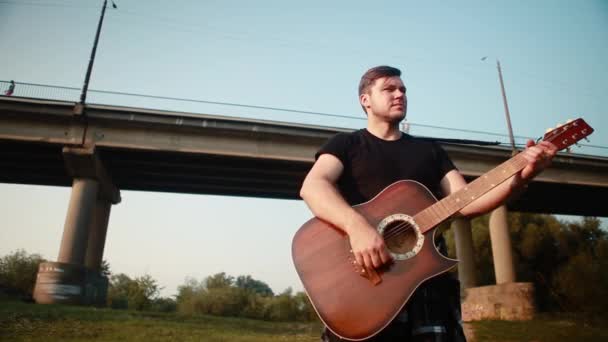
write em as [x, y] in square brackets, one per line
[142, 291]
[18, 272]
[566, 261]
[256, 286]
[219, 280]
[135, 294]
[163, 304]
[105, 269]
[118, 291]
[188, 296]
[306, 311]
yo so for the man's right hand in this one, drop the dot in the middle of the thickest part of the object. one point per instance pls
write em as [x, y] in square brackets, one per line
[368, 246]
[320, 193]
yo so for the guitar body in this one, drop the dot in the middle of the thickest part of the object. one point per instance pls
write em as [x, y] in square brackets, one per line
[355, 303]
[349, 304]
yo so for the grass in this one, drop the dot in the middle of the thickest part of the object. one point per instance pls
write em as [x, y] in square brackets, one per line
[545, 328]
[30, 322]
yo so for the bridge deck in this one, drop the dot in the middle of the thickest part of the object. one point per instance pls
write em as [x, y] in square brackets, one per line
[154, 150]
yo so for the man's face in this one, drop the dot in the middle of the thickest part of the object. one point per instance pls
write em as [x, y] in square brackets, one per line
[386, 99]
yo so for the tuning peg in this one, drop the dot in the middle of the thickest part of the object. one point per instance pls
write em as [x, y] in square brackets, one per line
[587, 140]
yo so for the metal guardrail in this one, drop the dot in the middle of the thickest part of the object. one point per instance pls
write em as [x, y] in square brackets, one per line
[72, 94]
[40, 91]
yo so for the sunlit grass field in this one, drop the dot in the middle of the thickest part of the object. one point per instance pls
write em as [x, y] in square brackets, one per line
[29, 322]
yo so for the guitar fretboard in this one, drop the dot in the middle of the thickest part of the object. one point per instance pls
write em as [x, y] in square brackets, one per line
[448, 206]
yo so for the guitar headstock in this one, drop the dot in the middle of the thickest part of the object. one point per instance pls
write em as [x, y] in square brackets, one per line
[568, 134]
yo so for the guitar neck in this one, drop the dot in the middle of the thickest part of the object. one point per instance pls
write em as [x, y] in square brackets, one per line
[450, 205]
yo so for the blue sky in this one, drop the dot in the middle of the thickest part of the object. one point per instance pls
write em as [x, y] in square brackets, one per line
[305, 56]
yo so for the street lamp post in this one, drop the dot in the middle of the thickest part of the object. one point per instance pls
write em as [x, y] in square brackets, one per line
[85, 87]
[500, 240]
[504, 100]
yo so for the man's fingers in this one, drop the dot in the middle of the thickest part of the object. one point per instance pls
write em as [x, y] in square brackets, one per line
[359, 258]
[376, 259]
[385, 256]
[367, 261]
[529, 143]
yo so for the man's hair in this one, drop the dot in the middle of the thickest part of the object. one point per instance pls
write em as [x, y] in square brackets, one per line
[371, 75]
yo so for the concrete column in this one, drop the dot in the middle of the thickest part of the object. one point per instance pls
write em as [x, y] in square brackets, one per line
[501, 246]
[463, 238]
[76, 229]
[97, 234]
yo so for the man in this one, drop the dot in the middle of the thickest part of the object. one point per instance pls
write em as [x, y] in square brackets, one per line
[352, 168]
[11, 89]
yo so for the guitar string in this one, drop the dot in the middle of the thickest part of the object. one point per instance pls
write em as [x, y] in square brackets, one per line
[404, 227]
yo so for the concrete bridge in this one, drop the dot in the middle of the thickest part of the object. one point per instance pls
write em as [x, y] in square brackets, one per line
[100, 150]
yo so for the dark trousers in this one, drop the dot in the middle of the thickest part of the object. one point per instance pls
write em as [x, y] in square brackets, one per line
[431, 314]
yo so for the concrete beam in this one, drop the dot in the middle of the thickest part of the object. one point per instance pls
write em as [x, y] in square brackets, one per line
[84, 163]
[40, 121]
[182, 152]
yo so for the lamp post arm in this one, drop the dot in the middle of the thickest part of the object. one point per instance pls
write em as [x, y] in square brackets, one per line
[504, 100]
[85, 87]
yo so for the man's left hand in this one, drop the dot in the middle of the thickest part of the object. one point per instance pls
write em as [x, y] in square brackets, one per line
[539, 157]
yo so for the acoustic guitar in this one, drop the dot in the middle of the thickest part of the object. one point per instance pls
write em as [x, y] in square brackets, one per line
[356, 303]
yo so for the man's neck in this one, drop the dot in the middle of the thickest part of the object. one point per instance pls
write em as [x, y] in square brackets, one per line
[385, 130]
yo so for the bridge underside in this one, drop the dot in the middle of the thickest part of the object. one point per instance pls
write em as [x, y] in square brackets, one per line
[197, 173]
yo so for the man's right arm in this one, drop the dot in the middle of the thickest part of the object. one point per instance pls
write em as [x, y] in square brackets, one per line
[325, 201]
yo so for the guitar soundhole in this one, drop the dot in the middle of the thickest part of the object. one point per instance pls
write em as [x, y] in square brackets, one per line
[400, 237]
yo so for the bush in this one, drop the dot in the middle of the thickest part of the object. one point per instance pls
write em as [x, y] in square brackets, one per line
[135, 294]
[18, 272]
[221, 295]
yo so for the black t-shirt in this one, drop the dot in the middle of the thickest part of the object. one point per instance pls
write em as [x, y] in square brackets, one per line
[371, 164]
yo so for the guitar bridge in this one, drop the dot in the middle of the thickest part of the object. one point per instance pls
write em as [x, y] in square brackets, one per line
[368, 273]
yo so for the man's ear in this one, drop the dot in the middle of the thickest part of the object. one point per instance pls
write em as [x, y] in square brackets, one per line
[364, 100]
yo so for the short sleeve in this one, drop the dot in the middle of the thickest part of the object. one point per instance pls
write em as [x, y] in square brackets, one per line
[336, 146]
[443, 161]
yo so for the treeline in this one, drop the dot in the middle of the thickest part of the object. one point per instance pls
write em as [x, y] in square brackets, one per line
[567, 262]
[219, 294]
[224, 295]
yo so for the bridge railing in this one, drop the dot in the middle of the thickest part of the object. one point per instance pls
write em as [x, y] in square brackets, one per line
[117, 98]
[40, 91]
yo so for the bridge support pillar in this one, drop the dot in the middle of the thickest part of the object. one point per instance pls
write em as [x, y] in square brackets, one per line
[463, 237]
[76, 228]
[501, 246]
[76, 277]
[97, 234]
[507, 300]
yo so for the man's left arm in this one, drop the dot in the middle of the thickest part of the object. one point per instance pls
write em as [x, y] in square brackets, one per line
[539, 157]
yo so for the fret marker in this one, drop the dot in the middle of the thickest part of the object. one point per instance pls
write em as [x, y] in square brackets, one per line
[472, 197]
[457, 200]
[492, 185]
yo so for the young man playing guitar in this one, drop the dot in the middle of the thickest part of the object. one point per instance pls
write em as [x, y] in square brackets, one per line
[352, 168]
